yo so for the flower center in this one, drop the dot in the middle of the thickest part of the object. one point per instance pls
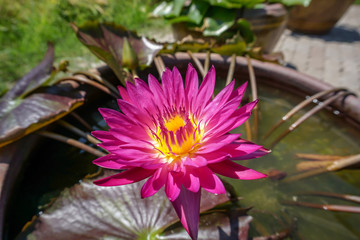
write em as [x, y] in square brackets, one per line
[176, 137]
[174, 123]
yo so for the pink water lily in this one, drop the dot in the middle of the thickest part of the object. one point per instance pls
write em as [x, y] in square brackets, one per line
[178, 137]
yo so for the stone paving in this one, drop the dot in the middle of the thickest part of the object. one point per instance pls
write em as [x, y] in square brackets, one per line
[333, 58]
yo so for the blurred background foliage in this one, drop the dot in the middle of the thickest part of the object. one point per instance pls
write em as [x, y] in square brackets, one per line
[27, 25]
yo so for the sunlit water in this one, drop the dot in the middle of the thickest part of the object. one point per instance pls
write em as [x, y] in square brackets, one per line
[55, 166]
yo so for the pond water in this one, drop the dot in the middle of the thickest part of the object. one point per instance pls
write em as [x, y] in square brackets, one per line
[54, 166]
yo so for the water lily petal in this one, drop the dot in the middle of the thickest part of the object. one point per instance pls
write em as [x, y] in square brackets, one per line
[172, 187]
[217, 143]
[206, 91]
[191, 84]
[230, 169]
[187, 207]
[191, 180]
[128, 176]
[109, 161]
[221, 98]
[103, 135]
[210, 182]
[154, 183]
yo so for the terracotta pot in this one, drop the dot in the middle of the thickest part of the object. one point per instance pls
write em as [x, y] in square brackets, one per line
[319, 17]
[268, 24]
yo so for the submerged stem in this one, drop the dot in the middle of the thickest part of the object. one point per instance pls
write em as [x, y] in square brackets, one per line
[306, 116]
[254, 95]
[300, 106]
[98, 79]
[334, 166]
[197, 63]
[81, 120]
[230, 74]
[326, 207]
[78, 131]
[90, 82]
[72, 142]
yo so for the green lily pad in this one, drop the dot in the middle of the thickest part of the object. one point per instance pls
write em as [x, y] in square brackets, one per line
[218, 20]
[236, 45]
[234, 3]
[194, 13]
[106, 41]
[169, 9]
[88, 211]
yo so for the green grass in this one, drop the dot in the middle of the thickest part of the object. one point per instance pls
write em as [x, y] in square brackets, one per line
[27, 25]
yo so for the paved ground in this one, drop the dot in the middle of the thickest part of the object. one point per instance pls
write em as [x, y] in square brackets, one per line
[333, 58]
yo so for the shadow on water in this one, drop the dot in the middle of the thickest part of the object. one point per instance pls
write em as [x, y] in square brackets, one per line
[342, 34]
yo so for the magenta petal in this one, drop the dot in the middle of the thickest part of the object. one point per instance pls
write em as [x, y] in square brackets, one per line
[191, 180]
[230, 169]
[172, 187]
[109, 161]
[103, 135]
[154, 183]
[239, 91]
[124, 94]
[217, 143]
[187, 207]
[206, 90]
[179, 92]
[191, 83]
[210, 182]
[213, 107]
[128, 176]
[155, 88]
[256, 154]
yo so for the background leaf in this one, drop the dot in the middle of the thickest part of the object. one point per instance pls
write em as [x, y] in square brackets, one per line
[106, 41]
[34, 79]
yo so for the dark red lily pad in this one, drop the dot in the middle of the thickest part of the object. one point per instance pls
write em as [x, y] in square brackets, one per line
[22, 111]
[88, 211]
[23, 116]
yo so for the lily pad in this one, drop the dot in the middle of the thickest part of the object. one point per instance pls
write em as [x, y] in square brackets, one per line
[88, 211]
[234, 4]
[34, 79]
[107, 40]
[169, 9]
[21, 113]
[218, 20]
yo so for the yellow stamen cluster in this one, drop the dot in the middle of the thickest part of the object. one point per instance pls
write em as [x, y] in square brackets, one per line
[176, 137]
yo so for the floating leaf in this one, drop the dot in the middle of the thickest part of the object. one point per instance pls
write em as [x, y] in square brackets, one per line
[106, 41]
[218, 20]
[169, 9]
[244, 28]
[234, 4]
[21, 114]
[88, 211]
[236, 45]
[305, 3]
[195, 13]
[32, 80]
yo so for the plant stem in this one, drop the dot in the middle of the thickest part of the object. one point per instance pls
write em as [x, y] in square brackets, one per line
[90, 82]
[230, 74]
[197, 63]
[78, 132]
[72, 142]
